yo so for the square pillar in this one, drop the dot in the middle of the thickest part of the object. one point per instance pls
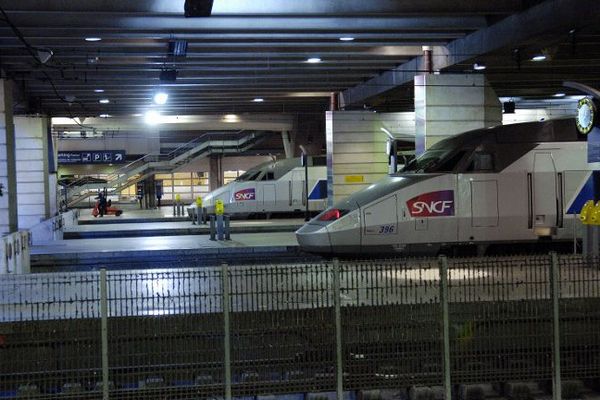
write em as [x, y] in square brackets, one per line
[448, 104]
[8, 173]
[356, 148]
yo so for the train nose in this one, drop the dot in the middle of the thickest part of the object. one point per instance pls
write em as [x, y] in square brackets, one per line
[314, 238]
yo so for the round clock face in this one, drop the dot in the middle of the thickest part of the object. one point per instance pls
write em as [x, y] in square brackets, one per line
[586, 113]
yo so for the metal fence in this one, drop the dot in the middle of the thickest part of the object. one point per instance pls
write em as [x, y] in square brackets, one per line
[320, 330]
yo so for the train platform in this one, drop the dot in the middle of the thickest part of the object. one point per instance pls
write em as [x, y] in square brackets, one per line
[162, 251]
[129, 228]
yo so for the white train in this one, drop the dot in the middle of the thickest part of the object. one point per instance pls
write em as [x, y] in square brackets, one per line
[274, 187]
[512, 183]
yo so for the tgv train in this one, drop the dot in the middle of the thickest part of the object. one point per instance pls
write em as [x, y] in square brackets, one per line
[274, 187]
[512, 183]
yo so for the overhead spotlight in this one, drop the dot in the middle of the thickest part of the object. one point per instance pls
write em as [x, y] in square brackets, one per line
[93, 39]
[98, 90]
[178, 48]
[559, 95]
[538, 58]
[44, 55]
[198, 8]
[258, 100]
[104, 101]
[152, 117]
[479, 67]
[313, 60]
[161, 98]
[168, 75]
[346, 38]
[105, 115]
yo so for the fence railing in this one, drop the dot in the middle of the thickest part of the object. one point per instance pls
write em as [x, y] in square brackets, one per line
[330, 329]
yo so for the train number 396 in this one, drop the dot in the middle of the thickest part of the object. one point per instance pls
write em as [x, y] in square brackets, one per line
[386, 229]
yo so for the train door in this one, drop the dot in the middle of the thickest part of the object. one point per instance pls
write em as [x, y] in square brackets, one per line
[297, 190]
[269, 198]
[543, 194]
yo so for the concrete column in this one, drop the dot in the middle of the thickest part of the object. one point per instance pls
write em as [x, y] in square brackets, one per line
[215, 172]
[356, 148]
[33, 177]
[446, 105]
[8, 172]
[288, 144]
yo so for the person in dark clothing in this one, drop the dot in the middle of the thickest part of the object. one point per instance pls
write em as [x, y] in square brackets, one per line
[101, 204]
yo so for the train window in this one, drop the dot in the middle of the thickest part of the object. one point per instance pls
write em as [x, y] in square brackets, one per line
[268, 176]
[481, 162]
[449, 164]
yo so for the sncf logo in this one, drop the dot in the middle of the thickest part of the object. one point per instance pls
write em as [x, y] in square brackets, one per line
[246, 194]
[432, 204]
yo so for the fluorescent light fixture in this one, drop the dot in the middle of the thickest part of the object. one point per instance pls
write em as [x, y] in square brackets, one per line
[346, 38]
[559, 95]
[231, 118]
[152, 117]
[137, 115]
[104, 101]
[313, 60]
[105, 115]
[98, 90]
[479, 67]
[161, 98]
[258, 100]
[93, 39]
[539, 57]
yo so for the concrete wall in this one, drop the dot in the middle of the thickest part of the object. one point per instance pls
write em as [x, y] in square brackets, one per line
[8, 201]
[449, 104]
[33, 182]
[356, 148]
[133, 143]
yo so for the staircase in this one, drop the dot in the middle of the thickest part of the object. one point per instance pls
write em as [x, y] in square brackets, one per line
[145, 167]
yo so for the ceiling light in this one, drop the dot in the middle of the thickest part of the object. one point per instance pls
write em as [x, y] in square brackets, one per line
[105, 115]
[93, 39]
[346, 38]
[258, 100]
[313, 60]
[479, 67]
[161, 98]
[152, 117]
[98, 90]
[539, 57]
[137, 115]
[104, 101]
[559, 95]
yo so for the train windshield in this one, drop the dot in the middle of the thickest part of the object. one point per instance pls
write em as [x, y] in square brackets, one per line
[427, 162]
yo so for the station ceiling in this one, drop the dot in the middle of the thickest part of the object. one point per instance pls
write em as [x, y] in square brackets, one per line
[249, 50]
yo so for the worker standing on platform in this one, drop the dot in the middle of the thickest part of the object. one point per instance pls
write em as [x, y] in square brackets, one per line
[101, 204]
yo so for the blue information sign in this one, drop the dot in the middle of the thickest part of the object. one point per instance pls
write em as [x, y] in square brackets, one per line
[92, 157]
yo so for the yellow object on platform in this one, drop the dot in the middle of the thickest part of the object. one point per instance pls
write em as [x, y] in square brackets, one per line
[586, 212]
[595, 215]
[178, 198]
[219, 207]
[199, 201]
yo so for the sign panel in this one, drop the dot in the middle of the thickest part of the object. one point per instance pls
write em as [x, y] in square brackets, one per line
[246, 194]
[92, 157]
[354, 178]
[432, 204]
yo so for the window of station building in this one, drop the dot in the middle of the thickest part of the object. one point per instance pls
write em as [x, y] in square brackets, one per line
[188, 185]
[230, 176]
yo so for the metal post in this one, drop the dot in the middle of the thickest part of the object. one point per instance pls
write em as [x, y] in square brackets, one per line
[212, 228]
[193, 214]
[227, 224]
[555, 293]
[443, 263]
[307, 211]
[219, 227]
[226, 328]
[339, 372]
[104, 331]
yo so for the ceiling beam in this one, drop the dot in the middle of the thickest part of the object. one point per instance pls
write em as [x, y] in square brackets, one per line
[534, 22]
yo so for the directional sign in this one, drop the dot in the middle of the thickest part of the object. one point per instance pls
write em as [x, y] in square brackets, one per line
[92, 157]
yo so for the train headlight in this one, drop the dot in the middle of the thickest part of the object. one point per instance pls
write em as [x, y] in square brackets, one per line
[332, 214]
